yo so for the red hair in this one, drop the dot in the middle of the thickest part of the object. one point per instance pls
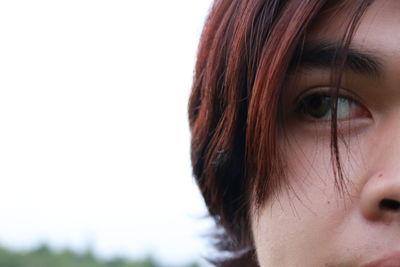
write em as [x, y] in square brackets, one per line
[245, 52]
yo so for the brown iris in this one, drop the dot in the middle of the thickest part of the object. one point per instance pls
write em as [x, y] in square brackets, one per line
[316, 106]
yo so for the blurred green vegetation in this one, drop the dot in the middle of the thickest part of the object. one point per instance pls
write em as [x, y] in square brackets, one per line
[43, 256]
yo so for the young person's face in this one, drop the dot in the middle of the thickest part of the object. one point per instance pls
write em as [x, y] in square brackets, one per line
[308, 223]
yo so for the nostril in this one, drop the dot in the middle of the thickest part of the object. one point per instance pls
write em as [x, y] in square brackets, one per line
[390, 204]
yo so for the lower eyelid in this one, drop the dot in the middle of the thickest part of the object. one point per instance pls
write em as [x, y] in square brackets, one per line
[323, 129]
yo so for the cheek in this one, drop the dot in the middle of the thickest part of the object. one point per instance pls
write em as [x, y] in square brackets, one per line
[294, 228]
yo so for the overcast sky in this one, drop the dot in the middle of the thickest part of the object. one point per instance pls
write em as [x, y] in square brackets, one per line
[94, 142]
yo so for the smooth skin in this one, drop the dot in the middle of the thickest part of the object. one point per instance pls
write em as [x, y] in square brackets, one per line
[310, 223]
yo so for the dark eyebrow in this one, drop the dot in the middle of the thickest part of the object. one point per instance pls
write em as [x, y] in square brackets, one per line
[322, 54]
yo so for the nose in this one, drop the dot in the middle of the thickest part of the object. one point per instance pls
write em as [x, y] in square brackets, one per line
[380, 196]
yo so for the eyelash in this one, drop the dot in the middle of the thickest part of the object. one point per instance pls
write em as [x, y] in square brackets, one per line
[321, 111]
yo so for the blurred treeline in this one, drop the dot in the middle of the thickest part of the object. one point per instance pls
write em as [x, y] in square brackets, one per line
[45, 257]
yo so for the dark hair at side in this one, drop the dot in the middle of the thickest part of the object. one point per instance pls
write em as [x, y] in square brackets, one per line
[245, 51]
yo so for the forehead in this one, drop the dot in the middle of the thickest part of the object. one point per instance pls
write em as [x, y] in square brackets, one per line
[376, 34]
[378, 29]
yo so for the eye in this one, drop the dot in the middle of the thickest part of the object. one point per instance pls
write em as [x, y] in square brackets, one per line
[318, 106]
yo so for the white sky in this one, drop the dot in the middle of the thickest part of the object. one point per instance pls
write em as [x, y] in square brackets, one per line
[94, 142]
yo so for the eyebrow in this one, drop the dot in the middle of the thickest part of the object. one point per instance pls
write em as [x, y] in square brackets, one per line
[322, 54]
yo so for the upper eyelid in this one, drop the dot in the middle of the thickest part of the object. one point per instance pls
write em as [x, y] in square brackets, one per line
[342, 92]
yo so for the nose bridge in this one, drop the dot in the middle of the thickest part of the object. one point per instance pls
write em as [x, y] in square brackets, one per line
[385, 149]
[389, 134]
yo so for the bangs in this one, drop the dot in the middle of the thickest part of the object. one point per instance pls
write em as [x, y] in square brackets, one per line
[280, 56]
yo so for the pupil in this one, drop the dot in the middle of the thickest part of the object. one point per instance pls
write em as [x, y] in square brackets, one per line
[317, 106]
